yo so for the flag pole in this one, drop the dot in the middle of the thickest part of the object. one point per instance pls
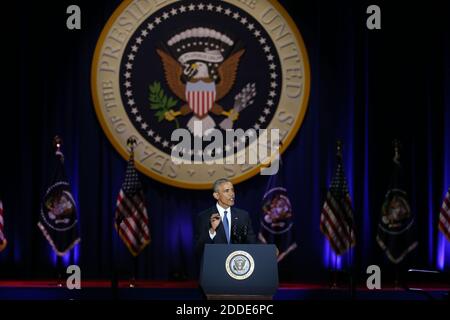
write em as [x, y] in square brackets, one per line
[339, 155]
[133, 276]
[334, 279]
[131, 214]
[114, 273]
[396, 145]
[57, 143]
[131, 143]
[59, 267]
[339, 146]
[114, 276]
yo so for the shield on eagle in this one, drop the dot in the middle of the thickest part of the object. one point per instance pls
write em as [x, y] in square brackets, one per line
[200, 97]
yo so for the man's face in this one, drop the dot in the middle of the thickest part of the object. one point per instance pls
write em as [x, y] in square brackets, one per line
[225, 195]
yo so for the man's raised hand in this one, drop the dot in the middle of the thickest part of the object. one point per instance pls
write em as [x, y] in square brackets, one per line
[214, 221]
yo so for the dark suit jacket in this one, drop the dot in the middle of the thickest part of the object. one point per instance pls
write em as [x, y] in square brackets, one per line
[241, 229]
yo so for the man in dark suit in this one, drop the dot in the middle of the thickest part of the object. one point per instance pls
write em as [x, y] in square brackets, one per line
[221, 223]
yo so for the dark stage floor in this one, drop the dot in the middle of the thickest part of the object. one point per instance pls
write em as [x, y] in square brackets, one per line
[189, 290]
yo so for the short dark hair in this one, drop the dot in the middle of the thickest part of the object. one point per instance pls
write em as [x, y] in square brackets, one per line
[218, 182]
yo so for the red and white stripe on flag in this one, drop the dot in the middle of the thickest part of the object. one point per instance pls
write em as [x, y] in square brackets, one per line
[2, 235]
[334, 223]
[132, 221]
[201, 102]
[444, 216]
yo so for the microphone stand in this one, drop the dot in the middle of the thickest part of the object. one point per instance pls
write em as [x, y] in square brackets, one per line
[235, 235]
[240, 236]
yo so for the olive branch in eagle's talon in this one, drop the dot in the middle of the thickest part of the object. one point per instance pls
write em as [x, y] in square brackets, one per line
[160, 102]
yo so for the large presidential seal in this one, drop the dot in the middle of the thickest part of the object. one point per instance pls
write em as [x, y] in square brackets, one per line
[227, 65]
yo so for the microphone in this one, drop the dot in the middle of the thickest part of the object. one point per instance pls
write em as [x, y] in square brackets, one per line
[234, 231]
[239, 234]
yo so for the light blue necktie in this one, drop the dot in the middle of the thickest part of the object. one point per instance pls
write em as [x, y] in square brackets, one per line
[226, 226]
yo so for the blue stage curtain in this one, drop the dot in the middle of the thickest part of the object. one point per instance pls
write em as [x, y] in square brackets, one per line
[367, 88]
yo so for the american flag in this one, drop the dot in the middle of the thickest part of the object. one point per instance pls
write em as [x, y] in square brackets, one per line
[444, 216]
[336, 219]
[2, 235]
[131, 220]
